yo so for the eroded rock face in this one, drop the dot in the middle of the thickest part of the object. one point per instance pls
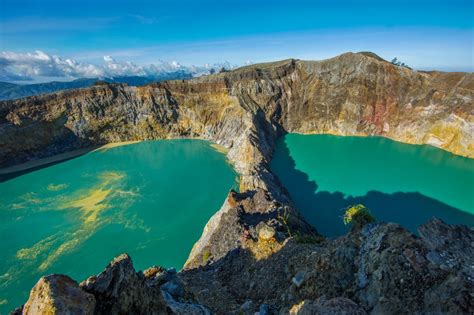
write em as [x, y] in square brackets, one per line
[257, 253]
[379, 269]
[119, 289]
[58, 294]
[382, 269]
[238, 223]
[352, 94]
[331, 307]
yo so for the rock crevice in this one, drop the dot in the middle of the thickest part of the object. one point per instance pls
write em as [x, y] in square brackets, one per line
[234, 268]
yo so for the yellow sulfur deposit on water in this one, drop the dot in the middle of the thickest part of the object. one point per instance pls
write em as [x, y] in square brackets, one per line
[52, 187]
[90, 203]
[37, 249]
[80, 213]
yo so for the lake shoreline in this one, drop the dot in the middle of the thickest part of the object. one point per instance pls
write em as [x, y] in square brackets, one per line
[60, 157]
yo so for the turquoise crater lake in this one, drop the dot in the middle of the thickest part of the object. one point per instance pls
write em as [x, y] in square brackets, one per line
[402, 183]
[149, 199]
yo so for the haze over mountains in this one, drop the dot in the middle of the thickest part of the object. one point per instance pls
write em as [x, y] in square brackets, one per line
[46, 73]
[12, 91]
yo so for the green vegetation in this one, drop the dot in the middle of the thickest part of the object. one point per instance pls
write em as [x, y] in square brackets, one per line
[397, 62]
[358, 215]
[283, 217]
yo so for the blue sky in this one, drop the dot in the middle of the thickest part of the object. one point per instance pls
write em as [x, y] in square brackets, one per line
[430, 34]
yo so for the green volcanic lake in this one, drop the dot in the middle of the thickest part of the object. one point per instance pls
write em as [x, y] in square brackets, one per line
[150, 200]
[402, 183]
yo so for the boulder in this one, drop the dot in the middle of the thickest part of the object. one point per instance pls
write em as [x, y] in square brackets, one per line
[121, 290]
[59, 294]
[265, 232]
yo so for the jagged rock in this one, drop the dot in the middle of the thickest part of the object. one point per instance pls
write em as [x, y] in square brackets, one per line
[382, 268]
[299, 278]
[154, 272]
[335, 306]
[183, 308]
[58, 294]
[244, 110]
[265, 232]
[247, 307]
[447, 244]
[120, 290]
[264, 310]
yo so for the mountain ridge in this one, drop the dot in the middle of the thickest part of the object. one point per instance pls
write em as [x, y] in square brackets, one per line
[10, 91]
[246, 246]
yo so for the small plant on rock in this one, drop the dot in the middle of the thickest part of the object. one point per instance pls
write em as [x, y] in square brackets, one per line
[358, 215]
[283, 217]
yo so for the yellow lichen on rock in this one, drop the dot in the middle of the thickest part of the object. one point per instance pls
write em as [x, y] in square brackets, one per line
[262, 249]
[296, 308]
[453, 134]
[219, 148]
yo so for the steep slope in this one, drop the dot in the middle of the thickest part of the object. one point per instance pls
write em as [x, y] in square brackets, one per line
[245, 110]
[351, 94]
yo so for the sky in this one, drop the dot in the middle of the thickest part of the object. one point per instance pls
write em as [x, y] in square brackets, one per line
[50, 39]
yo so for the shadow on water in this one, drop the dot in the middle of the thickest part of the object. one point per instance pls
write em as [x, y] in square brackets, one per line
[325, 210]
[52, 140]
[8, 176]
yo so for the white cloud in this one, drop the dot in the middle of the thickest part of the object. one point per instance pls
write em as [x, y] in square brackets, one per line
[31, 66]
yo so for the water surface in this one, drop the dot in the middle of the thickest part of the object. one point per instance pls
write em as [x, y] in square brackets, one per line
[150, 200]
[407, 184]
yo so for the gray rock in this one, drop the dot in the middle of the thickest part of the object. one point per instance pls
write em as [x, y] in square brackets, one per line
[121, 290]
[335, 306]
[265, 232]
[247, 307]
[183, 308]
[263, 309]
[58, 294]
[299, 278]
[383, 268]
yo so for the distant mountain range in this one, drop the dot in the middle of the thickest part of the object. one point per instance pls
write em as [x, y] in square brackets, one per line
[12, 91]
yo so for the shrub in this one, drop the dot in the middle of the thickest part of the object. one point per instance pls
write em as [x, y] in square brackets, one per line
[358, 215]
[284, 217]
[397, 62]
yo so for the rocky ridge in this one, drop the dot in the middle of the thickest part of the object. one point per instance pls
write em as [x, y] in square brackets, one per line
[256, 253]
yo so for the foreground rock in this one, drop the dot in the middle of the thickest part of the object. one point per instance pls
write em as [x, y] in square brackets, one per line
[58, 294]
[379, 269]
[119, 289]
[257, 254]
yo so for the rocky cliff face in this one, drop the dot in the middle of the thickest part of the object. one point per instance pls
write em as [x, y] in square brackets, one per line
[249, 256]
[379, 269]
